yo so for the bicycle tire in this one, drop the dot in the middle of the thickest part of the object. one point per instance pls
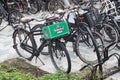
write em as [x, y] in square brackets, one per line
[109, 34]
[19, 36]
[53, 49]
[88, 53]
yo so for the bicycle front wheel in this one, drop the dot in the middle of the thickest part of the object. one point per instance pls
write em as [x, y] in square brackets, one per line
[60, 57]
[85, 47]
[23, 43]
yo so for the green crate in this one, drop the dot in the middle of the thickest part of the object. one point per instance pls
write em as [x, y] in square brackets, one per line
[55, 30]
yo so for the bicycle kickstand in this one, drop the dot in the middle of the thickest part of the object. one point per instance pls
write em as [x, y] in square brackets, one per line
[40, 60]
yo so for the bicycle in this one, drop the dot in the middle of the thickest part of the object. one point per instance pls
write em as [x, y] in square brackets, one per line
[109, 10]
[10, 15]
[28, 45]
[98, 22]
[81, 34]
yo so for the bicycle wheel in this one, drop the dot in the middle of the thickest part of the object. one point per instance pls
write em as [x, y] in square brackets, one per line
[60, 57]
[85, 48]
[34, 6]
[54, 5]
[23, 43]
[108, 33]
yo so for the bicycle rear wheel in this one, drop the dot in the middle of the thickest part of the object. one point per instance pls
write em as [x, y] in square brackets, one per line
[23, 43]
[85, 47]
[109, 34]
[60, 57]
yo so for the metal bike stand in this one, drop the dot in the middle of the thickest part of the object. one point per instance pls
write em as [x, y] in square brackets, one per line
[93, 70]
[99, 66]
[115, 69]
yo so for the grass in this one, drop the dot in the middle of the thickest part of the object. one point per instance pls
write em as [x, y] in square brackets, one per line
[19, 69]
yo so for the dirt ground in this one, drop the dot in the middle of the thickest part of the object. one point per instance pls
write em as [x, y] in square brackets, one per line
[24, 67]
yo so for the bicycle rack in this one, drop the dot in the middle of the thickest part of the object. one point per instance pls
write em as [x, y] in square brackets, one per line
[99, 66]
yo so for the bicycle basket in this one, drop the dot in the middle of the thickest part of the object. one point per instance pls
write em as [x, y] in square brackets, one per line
[109, 8]
[55, 30]
[92, 17]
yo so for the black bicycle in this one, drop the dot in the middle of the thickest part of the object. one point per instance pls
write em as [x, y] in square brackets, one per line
[10, 15]
[86, 42]
[99, 23]
[26, 45]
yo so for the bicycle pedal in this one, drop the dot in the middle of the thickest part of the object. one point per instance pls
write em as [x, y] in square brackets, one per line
[45, 53]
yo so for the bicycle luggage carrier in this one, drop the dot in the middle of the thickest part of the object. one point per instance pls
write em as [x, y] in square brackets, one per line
[55, 30]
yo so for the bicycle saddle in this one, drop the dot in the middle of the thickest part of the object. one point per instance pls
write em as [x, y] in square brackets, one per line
[25, 19]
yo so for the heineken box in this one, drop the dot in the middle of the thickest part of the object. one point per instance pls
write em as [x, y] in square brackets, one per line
[55, 30]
